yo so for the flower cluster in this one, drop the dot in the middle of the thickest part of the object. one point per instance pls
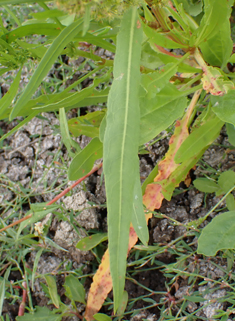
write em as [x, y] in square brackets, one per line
[100, 9]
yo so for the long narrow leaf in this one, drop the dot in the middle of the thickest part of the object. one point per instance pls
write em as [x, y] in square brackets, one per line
[6, 100]
[52, 53]
[121, 146]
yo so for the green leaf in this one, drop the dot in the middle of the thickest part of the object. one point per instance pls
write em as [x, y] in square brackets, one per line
[86, 23]
[2, 293]
[45, 64]
[86, 125]
[53, 290]
[160, 39]
[67, 140]
[70, 101]
[74, 290]
[226, 181]
[224, 107]
[101, 317]
[89, 242]
[231, 133]
[138, 216]
[52, 13]
[215, 13]
[205, 185]
[35, 266]
[121, 309]
[199, 139]
[84, 160]
[155, 81]
[49, 29]
[121, 164]
[217, 50]
[169, 184]
[194, 298]
[37, 50]
[230, 202]
[160, 112]
[218, 235]
[41, 314]
[6, 100]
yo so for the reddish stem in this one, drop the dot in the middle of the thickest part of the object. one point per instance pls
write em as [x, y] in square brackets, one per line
[24, 297]
[96, 168]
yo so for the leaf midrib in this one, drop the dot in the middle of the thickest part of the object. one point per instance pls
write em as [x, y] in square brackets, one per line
[125, 119]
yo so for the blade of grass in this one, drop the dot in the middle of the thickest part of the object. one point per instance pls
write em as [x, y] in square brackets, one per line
[45, 64]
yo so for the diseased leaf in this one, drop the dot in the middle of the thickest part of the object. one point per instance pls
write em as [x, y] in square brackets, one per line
[86, 125]
[155, 192]
[45, 64]
[102, 281]
[74, 290]
[89, 242]
[218, 235]
[214, 82]
[84, 160]
[53, 290]
[100, 287]
[199, 139]
[121, 164]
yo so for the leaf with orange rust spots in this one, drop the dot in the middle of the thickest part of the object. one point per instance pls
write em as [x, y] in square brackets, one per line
[102, 281]
[213, 82]
[154, 193]
[153, 196]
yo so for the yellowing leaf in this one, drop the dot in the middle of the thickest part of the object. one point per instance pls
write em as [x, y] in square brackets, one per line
[102, 281]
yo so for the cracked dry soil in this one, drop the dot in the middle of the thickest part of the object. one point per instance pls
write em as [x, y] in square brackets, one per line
[35, 159]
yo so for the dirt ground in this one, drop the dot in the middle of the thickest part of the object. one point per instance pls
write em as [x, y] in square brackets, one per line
[30, 160]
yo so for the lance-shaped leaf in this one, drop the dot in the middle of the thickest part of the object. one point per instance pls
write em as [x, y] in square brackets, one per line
[45, 64]
[6, 100]
[121, 146]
